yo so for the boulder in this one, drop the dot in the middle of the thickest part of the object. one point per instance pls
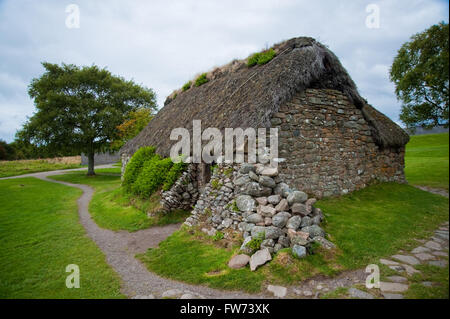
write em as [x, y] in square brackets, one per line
[255, 219]
[278, 291]
[298, 240]
[256, 190]
[241, 181]
[306, 221]
[280, 219]
[247, 168]
[253, 176]
[259, 258]
[269, 171]
[282, 206]
[282, 189]
[294, 222]
[261, 200]
[258, 230]
[273, 232]
[274, 199]
[299, 251]
[239, 261]
[245, 203]
[244, 248]
[297, 197]
[324, 242]
[267, 211]
[267, 181]
[299, 209]
[314, 231]
[284, 241]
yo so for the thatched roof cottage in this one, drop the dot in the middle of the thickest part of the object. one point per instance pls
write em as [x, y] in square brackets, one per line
[332, 140]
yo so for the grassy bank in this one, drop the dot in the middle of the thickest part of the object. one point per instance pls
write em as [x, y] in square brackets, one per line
[113, 209]
[40, 235]
[426, 160]
[14, 168]
[366, 225]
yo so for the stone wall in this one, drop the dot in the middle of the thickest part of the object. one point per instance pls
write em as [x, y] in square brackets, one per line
[252, 199]
[184, 192]
[101, 158]
[328, 146]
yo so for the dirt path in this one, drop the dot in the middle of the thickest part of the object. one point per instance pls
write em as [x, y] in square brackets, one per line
[137, 282]
[121, 247]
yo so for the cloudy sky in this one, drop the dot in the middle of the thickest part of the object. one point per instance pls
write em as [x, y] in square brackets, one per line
[162, 44]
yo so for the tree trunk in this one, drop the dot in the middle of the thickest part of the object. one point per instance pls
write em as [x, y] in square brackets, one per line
[90, 164]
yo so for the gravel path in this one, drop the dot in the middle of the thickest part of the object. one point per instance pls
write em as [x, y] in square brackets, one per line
[121, 247]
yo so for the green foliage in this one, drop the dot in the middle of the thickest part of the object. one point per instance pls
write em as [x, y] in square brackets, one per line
[173, 174]
[147, 172]
[218, 236]
[152, 176]
[420, 73]
[215, 184]
[187, 86]
[133, 124]
[255, 243]
[201, 80]
[261, 57]
[135, 165]
[79, 108]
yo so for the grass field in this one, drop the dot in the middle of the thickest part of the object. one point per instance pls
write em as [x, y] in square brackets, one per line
[111, 208]
[13, 168]
[366, 225]
[426, 160]
[40, 235]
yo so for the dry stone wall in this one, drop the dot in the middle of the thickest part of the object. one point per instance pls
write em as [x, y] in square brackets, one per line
[328, 146]
[253, 200]
[184, 192]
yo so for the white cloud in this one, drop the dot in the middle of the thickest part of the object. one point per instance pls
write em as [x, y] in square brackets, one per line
[163, 44]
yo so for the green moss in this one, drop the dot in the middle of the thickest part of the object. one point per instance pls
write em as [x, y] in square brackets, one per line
[218, 236]
[202, 79]
[261, 57]
[187, 86]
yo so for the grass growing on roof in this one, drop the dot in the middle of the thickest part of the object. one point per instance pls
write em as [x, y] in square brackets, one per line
[261, 57]
[426, 160]
[40, 236]
[114, 209]
[202, 79]
[187, 86]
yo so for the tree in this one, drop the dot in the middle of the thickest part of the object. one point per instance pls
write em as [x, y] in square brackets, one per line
[421, 78]
[79, 108]
[132, 125]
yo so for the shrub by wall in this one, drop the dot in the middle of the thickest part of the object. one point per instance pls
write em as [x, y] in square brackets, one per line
[147, 172]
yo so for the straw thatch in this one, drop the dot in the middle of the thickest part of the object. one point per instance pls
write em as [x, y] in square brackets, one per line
[241, 96]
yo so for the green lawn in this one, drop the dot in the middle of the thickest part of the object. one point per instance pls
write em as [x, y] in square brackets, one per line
[426, 160]
[40, 235]
[111, 208]
[366, 225]
[13, 168]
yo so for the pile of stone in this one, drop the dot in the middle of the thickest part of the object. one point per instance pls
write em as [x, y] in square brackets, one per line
[253, 200]
[184, 192]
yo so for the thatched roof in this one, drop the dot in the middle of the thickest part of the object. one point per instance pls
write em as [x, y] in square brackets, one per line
[241, 96]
